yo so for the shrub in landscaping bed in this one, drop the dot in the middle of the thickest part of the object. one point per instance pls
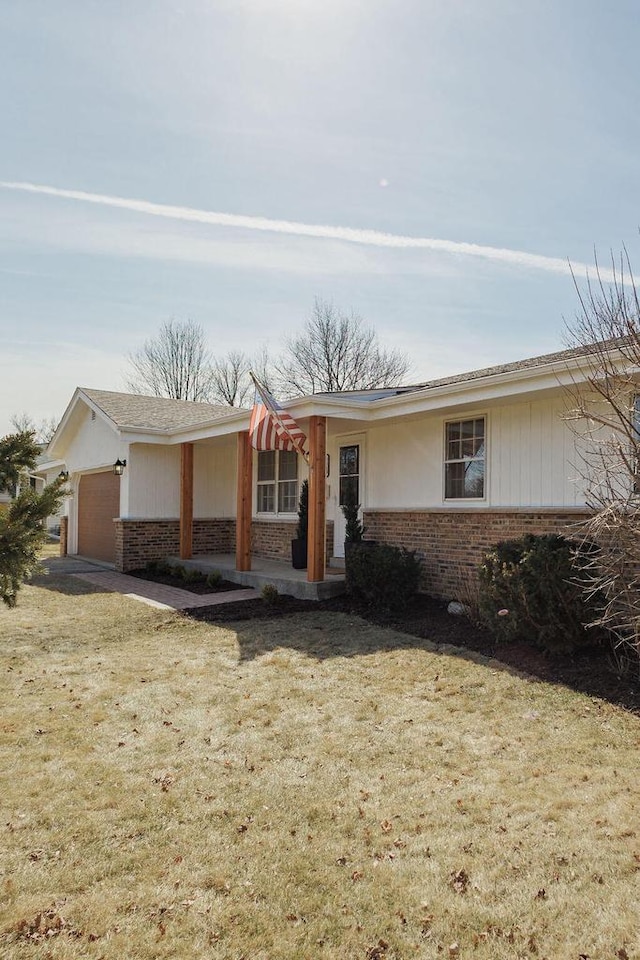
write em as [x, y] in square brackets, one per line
[381, 576]
[535, 589]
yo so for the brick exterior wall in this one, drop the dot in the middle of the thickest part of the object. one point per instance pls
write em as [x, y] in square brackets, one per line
[64, 535]
[138, 541]
[272, 539]
[214, 535]
[451, 542]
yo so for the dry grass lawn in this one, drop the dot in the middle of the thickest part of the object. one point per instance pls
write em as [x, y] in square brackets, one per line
[312, 787]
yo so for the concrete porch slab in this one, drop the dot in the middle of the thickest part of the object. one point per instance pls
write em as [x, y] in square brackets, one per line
[281, 575]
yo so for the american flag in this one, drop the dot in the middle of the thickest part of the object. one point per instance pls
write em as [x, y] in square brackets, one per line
[271, 427]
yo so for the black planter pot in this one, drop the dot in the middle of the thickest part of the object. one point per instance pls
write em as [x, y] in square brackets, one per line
[350, 545]
[299, 554]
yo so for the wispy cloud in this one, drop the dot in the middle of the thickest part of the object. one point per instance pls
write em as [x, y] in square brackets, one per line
[373, 238]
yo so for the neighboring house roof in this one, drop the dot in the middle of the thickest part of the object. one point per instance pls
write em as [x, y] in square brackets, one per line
[159, 413]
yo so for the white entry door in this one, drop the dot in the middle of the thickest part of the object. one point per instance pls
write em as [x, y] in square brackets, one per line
[350, 481]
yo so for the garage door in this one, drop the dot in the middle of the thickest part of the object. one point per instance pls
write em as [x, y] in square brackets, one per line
[98, 504]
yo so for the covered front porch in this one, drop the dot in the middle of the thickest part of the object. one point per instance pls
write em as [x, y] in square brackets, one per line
[263, 571]
[244, 566]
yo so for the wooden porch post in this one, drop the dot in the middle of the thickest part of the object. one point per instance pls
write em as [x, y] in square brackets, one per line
[244, 500]
[316, 548]
[186, 500]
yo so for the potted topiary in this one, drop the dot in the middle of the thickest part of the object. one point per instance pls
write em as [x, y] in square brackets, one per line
[299, 545]
[354, 529]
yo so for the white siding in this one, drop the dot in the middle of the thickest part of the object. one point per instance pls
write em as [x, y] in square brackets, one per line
[94, 445]
[531, 456]
[214, 478]
[530, 459]
[153, 472]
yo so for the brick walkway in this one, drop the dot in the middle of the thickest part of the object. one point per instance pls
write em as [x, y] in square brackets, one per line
[157, 594]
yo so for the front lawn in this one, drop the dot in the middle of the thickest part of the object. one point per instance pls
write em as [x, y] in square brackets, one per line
[311, 786]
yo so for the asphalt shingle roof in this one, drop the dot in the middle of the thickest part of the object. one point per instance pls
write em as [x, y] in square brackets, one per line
[531, 363]
[156, 413]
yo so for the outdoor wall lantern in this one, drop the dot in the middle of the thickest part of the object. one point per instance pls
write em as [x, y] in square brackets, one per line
[118, 467]
[63, 475]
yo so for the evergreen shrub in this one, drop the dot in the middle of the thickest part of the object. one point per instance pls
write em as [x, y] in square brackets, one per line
[381, 576]
[536, 589]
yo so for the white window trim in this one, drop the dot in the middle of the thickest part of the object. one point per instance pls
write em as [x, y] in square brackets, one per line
[458, 419]
[274, 514]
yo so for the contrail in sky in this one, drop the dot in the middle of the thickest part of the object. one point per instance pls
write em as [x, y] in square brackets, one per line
[372, 238]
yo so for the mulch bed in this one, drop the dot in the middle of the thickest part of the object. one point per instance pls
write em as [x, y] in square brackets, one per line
[199, 587]
[589, 671]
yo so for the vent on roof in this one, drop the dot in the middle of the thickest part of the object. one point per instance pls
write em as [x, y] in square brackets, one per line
[93, 415]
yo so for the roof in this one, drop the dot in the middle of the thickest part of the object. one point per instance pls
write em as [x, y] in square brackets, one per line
[547, 358]
[158, 413]
[383, 393]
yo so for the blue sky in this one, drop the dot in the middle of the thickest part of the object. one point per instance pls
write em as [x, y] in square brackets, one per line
[485, 124]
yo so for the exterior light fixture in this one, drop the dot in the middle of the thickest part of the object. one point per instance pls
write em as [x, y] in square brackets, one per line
[118, 467]
[63, 475]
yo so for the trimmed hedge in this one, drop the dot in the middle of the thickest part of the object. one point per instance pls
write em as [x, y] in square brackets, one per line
[536, 589]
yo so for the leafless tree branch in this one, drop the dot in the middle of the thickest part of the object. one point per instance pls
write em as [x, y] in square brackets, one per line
[176, 363]
[605, 417]
[337, 351]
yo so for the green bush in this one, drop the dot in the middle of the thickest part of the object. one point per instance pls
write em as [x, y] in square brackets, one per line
[382, 576]
[535, 589]
[214, 579]
[193, 576]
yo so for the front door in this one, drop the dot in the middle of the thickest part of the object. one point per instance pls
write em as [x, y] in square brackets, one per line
[350, 482]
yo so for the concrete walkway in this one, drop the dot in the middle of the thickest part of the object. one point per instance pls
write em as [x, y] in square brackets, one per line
[153, 594]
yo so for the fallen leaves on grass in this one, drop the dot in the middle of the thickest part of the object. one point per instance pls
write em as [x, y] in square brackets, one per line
[459, 881]
[45, 925]
[378, 952]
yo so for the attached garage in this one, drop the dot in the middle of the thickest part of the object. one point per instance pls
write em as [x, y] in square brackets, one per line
[98, 505]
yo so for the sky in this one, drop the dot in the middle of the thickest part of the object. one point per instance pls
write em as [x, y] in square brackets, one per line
[433, 167]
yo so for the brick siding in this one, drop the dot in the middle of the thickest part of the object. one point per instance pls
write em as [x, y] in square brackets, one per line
[138, 541]
[272, 539]
[451, 542]
[64, 535]
[214, 535]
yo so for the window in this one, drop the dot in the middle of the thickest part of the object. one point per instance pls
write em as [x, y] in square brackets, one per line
[464, 464]
[349, 474]
[277, 481]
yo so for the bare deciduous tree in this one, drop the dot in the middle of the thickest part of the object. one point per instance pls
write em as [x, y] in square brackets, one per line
[606, 420]
[230, 382]
[337, 351]
[176, 363]
[230, 379]
[43, 430]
